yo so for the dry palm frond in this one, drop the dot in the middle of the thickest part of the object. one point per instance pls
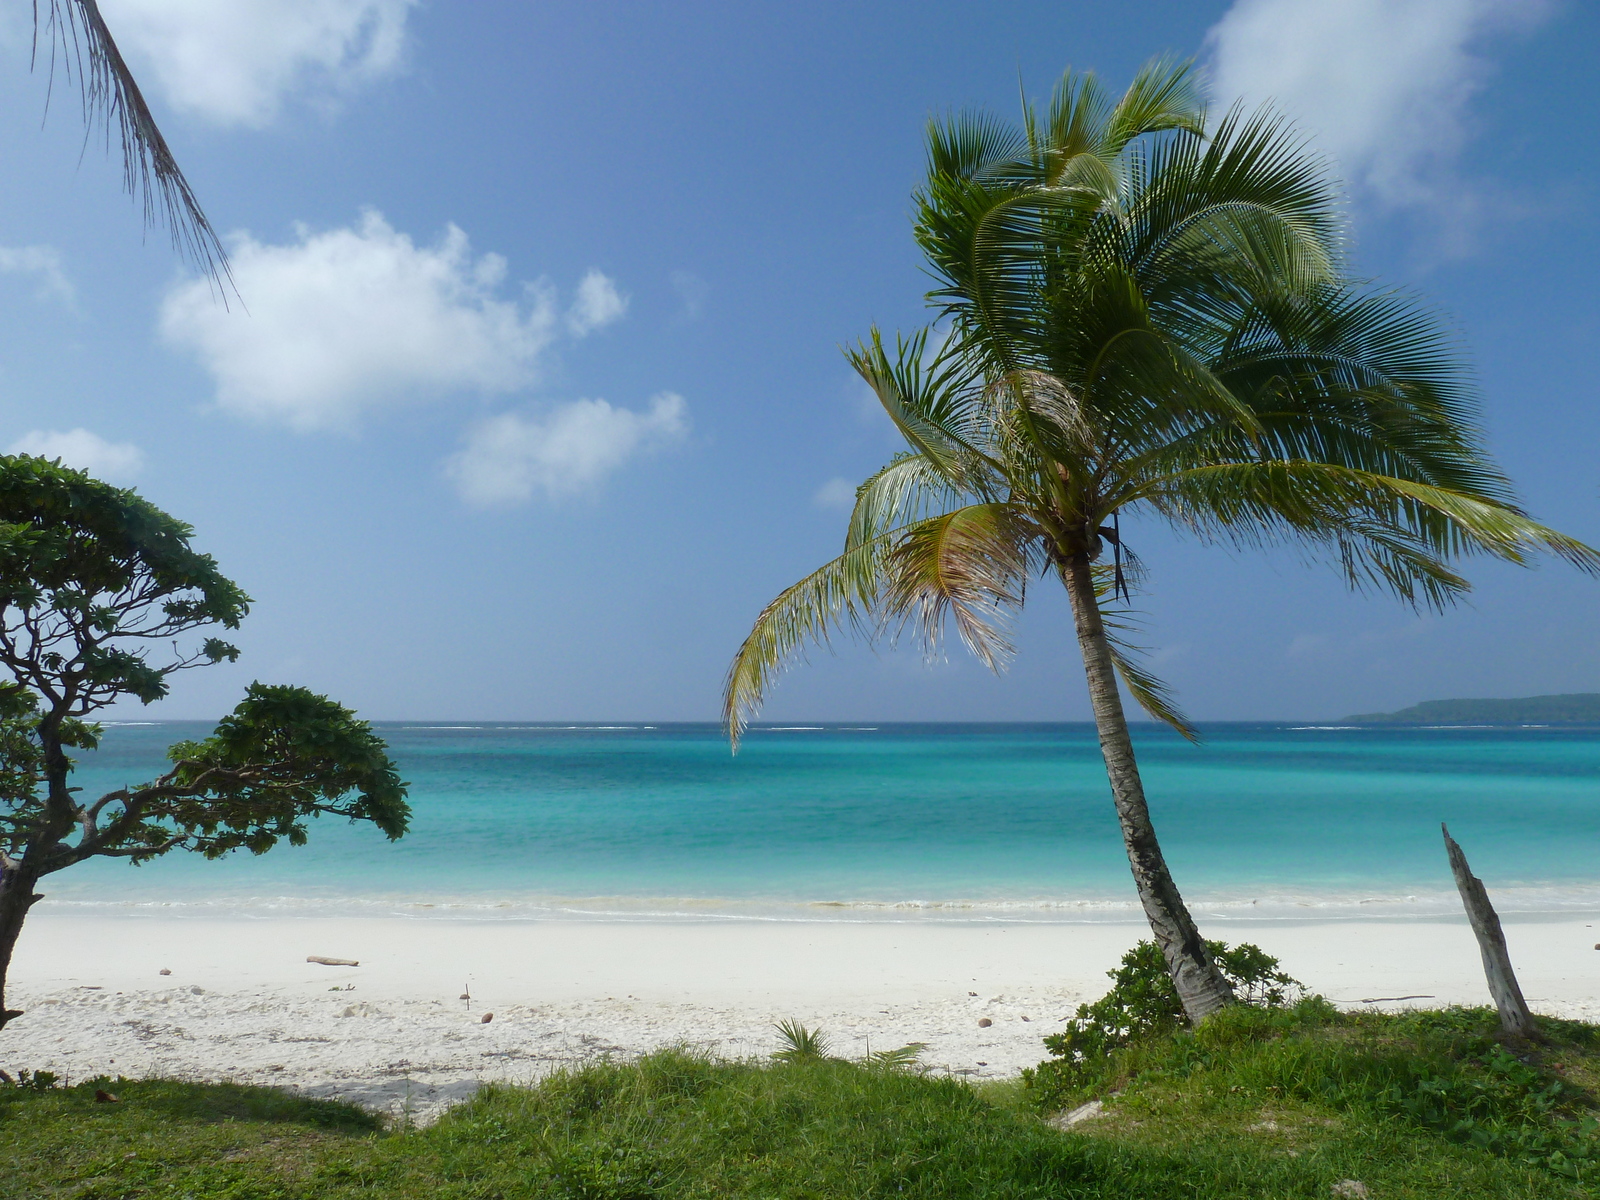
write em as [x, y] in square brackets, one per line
[1044, 400]
[971, 564]
[81, 43]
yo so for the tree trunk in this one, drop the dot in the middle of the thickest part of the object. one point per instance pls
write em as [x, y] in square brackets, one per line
[1201, 986]
[16, 898]
[1515, 1018]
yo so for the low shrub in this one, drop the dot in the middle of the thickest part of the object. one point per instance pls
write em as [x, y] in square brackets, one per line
[1446, 1072]
[37, 1081]
[1143, 1004]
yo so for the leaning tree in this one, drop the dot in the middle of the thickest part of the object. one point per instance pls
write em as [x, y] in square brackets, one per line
[103, 599]
[1143, 315]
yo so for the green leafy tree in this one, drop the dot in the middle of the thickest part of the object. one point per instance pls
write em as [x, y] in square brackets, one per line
[102, 598]
[1143, 315]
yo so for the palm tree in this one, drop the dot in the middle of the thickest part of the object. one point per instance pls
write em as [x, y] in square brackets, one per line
[1142, 316]
[84, 48]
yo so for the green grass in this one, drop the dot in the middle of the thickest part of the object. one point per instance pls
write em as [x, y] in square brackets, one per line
[1278, 1105]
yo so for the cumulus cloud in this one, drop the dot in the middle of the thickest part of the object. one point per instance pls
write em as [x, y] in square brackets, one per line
[234, 63]
[508, 457]
[354, 319]
[116, 462]
[1383, 86]
[597, 303]
[837, 493]
[44, 264]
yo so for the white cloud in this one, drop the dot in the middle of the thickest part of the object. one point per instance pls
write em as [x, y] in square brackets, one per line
[117, 462]
[837, 493]
[44, 264]
[506, 458]
[233, 62]
[1382, 85]
[349, 320]
[598, 303]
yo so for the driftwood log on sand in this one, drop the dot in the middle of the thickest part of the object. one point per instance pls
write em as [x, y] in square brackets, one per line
[1515, 1018]
[332, 962]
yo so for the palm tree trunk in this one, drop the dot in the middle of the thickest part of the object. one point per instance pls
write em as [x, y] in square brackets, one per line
[1200, 984]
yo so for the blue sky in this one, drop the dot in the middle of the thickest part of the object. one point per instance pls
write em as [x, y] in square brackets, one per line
[535, 395]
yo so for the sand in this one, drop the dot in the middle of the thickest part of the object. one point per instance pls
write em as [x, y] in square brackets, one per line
[241, 1002]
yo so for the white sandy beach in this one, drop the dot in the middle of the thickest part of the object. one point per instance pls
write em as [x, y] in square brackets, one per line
[242, 1003]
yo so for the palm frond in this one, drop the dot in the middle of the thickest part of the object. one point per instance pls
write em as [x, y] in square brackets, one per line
[972, 565]
[1161, 98]
[1252, 164]
[1241, 242]
[1152, 694]
[901, 1058]
[840, 593]
[909, 488]
[929, 403]
[971, 145]
[1144, 386]
[1483, 525]
[111, 98]
[1388, 532]
[1049, 406]
[800, 1044]
[1075, 124]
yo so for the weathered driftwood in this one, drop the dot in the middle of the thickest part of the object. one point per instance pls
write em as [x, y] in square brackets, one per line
[1514, 1015]
[332, 962]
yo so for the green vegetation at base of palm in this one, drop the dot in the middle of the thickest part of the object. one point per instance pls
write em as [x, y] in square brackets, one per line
[1280, 1103]
[1301, 1079]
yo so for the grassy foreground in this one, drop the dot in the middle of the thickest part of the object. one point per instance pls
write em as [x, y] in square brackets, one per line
[1273, 1105]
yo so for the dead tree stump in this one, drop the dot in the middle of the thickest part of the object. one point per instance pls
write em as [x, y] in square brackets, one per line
[1515, 1018]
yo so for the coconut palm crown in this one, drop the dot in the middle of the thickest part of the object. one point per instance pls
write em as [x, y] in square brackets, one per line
[1144, 314]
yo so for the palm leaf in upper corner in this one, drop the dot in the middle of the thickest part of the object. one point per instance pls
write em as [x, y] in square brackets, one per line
[111, 98]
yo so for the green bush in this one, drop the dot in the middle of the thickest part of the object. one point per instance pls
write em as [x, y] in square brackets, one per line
[1444, 1073]
[1143, 1004]
[38, 1081]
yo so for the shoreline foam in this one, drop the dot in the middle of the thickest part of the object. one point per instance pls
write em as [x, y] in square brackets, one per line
[1549, 901]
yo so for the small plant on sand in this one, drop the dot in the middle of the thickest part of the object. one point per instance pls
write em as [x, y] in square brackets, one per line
[800, 1044]
[902, 1058]
[102, 599]
[812, 1045]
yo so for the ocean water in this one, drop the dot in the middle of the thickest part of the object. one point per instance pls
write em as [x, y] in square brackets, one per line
[912, 822]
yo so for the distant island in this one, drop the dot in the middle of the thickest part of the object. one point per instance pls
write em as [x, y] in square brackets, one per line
[1577, 708]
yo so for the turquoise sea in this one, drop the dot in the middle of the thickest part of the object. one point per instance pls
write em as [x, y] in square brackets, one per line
[945, 822]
